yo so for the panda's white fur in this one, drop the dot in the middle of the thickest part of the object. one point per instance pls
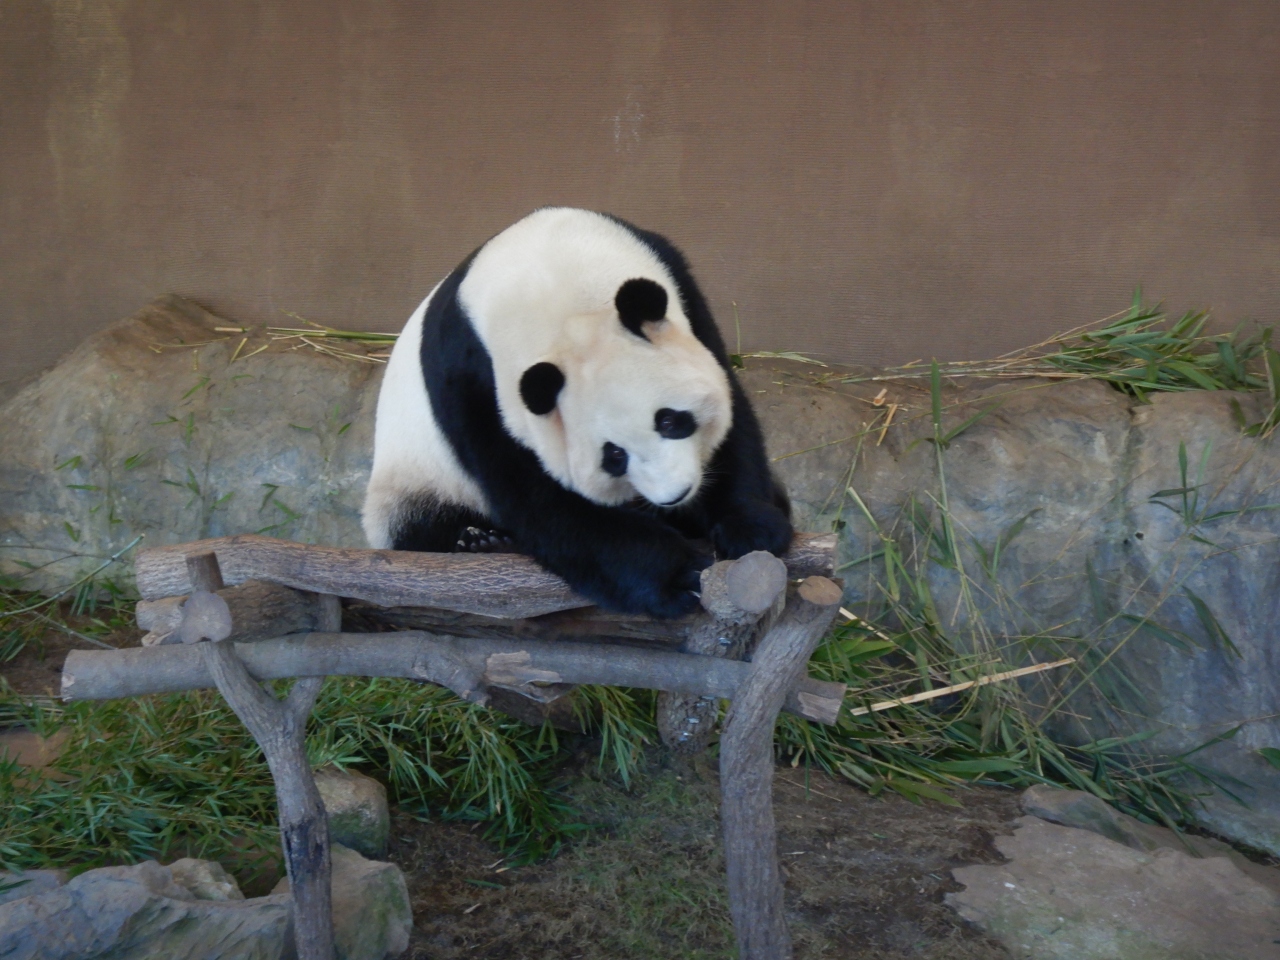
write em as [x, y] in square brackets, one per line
[410, 453]
[543, 290]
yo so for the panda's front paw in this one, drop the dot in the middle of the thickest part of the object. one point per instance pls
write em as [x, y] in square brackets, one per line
[478, 540]
[680, 593]
[663, 579]
[757, 526]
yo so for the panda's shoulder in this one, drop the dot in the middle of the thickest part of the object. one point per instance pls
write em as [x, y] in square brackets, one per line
[694, 303]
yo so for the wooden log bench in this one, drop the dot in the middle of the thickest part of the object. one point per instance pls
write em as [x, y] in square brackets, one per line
[495, 629]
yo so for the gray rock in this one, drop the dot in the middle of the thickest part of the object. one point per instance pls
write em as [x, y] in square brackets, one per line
[150, 427]
[17, 884]
[372, 918]
[158, 431]
[1081, 463]
[1069, 894]
[205, 879]
[1084, 811]
[356, 807]
[130, 913]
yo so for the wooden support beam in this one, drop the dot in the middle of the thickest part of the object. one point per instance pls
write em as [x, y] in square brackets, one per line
[462, 664]
[259, 610]
[279, 727]
[746, 771]
[504, 585]
[738, 597]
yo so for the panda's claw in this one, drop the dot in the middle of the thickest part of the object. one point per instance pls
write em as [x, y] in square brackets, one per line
[480, 540]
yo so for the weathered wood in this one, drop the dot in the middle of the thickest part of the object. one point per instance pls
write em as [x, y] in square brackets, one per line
[499, 585]
[736, 595]
[259, 610]
[587, 623]
[461, 664]
[503, 585]
[279, 727]
[746, 771]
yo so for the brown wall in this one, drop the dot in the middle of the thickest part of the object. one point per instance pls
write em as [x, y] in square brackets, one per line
[871, 181]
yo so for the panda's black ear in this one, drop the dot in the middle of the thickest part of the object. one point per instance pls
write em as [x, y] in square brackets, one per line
[540, 386]
[638, 302]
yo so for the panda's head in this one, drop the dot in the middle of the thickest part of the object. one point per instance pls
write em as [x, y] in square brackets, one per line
[632, 404]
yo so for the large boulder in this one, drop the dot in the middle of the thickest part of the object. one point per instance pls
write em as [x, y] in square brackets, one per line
[372, 916]
[1084, 811]
[164, 426]
[356, 808]
[193, 909]
[1169, 604]
[1068, 894]
[141, 911]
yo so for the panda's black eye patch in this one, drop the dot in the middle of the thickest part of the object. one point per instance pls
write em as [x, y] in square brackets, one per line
[639, 301]
[674, 424]
[540, 386]
[614, 460]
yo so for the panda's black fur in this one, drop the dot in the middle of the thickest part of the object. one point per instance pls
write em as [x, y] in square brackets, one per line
[632, 558]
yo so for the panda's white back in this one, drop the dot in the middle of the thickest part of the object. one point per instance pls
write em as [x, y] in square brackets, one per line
[411, 455]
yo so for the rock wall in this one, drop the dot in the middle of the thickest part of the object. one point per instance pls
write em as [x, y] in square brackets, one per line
[164, 426]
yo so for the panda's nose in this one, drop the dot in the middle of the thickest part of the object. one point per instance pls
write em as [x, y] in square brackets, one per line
[672, 503]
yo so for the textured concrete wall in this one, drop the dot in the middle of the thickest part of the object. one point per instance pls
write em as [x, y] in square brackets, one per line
[870, 181]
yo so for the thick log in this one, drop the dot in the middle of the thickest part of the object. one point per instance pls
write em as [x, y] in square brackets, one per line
[461, 664]
[259, 611]
[746, 771]
[587, 623]
[500, 585]
[279, 727]
[736, 595]
[504, 585]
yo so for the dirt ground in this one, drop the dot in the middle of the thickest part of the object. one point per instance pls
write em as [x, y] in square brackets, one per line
[865, 877]
[37, 669]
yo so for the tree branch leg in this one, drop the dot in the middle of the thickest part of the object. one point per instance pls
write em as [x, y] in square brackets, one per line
[746, 771]
[280, 727]
[738, 597]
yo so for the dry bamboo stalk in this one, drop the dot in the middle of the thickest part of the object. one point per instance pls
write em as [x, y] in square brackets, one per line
[957, 687]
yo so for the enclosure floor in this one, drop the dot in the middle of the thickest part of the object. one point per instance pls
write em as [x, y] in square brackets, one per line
[37, 669]
[865, 877]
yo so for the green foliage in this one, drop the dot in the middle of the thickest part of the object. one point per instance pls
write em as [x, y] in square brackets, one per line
[176, 774]
[1139, 352]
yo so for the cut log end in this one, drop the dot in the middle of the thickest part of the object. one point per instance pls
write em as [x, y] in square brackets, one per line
[754, 581]
[205, 616]
[820, 591]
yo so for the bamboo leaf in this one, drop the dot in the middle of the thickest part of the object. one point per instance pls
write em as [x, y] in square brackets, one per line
[916, 792]
[1175, 638]
[956, 431]
[1210, 623]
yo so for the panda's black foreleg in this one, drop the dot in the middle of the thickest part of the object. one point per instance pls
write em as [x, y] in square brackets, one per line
[431, 526]
[619, 558]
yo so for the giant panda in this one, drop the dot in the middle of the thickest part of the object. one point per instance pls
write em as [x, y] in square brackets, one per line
[565, 393]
